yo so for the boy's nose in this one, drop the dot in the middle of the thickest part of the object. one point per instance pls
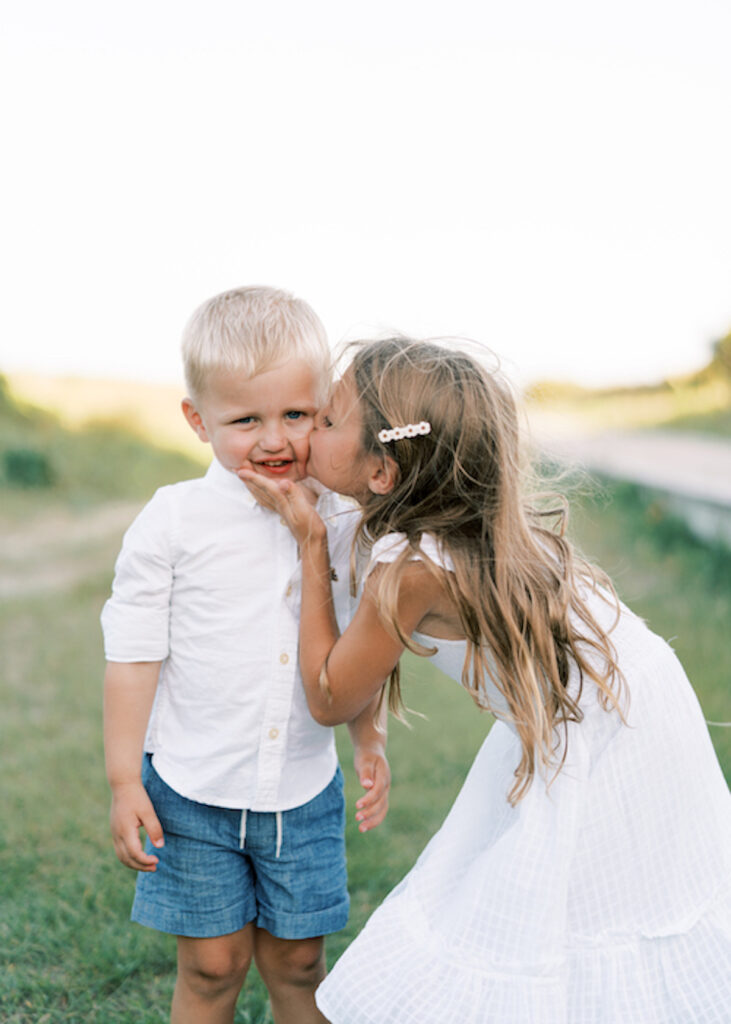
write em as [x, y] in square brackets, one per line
[273, 440]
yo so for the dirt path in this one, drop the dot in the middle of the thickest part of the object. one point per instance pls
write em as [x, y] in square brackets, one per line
[690, 466]
[56, 550]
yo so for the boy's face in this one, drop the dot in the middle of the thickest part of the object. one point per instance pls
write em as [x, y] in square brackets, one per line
[261, 423]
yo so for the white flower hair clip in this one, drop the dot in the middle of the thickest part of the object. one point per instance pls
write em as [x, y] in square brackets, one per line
[410, 430]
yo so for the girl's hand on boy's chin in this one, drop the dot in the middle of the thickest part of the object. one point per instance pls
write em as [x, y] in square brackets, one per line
[267, 492]
[294, 502]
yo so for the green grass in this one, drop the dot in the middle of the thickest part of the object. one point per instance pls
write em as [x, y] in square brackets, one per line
[704, 409]
[699, 402]
[715, 422]
[152, 410]
[679, 585]
[78, 467]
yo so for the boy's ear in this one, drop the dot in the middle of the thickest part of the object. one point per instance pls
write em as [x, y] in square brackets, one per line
[194, 418]
[383, 476]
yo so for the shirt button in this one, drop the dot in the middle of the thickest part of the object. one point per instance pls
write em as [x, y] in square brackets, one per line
[284, 658]
[289, 590]
[273, 733]
[282, 520]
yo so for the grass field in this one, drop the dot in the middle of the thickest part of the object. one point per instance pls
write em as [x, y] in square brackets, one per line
[67, 950]
[703, 409]
[698, 402]
[150, 410]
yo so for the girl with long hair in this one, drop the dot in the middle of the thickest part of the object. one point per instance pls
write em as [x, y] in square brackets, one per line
[583, 873]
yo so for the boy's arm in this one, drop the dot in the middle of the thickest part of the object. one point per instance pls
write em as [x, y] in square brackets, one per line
[368, 736]
[129, 692]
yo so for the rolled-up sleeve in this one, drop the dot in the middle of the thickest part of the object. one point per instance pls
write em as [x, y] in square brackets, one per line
[136, 618]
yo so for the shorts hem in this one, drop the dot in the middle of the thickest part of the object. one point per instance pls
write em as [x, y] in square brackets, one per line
[305, 926]
[192, 926]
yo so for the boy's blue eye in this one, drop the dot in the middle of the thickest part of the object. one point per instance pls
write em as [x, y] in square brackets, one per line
[294, 414]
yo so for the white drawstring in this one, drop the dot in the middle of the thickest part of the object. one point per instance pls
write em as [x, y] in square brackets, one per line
[242, 830]
[279, 834]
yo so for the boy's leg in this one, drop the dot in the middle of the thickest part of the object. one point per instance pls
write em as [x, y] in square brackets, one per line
[301, 889]
[211, 973]
[291, 969]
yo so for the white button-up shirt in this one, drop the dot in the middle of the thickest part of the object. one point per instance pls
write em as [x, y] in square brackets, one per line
[208, 582]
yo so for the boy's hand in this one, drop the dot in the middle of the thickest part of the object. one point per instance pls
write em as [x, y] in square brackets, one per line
[132, 810]
[374, 774]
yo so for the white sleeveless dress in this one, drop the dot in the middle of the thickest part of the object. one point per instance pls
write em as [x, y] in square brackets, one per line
[604, 899]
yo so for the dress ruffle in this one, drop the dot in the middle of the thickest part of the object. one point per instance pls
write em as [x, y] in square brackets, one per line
[391, 976]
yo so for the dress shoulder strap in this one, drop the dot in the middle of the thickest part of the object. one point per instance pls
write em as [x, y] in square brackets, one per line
[389, 547]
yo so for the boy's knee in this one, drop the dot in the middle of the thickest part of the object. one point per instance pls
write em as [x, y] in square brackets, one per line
[305, 961]
[299, 962]
[211, 968]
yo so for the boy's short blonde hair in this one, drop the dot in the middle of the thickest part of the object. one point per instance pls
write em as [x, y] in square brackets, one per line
[251, 330]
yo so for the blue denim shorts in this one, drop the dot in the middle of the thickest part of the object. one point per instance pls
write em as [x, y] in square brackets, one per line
[289, 876]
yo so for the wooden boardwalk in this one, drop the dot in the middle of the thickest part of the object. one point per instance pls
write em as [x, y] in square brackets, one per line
[693, 472]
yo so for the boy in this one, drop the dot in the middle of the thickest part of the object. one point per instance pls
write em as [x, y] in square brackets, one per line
[240, 791]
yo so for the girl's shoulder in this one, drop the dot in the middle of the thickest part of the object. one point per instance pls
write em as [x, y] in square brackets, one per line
[389, 547]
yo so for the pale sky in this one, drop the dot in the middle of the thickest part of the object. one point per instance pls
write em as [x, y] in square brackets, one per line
[551, 179]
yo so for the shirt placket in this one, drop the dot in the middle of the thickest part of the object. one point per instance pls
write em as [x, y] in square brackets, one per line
[282, 675]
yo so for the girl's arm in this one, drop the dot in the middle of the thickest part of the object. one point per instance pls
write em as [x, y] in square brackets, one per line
[359, 662]
[319, 633]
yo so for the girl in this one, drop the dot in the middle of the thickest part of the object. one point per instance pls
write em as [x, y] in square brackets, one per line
[582, 874]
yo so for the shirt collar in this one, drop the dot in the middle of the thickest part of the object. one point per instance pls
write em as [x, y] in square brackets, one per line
[329, 504]
[224, 480]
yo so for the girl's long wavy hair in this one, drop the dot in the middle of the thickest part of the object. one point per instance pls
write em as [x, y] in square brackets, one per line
[519, 588]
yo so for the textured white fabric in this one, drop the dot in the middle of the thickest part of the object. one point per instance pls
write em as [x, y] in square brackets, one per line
[209, 582]
[605, 897]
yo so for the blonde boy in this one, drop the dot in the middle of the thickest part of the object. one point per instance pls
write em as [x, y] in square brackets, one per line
[240, 792]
